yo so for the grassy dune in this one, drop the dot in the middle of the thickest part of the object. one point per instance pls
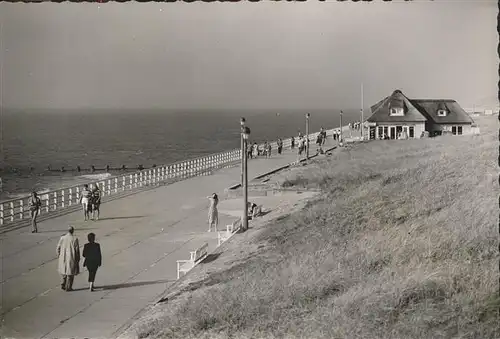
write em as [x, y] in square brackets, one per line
[402, 243]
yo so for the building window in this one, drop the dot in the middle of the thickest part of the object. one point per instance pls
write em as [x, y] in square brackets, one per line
[396, 111]
[380, 132]
[441, 113]
[372, 133]
[411, 132]
[456, 130]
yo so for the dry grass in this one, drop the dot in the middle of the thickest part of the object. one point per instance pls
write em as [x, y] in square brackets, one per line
[402, 244]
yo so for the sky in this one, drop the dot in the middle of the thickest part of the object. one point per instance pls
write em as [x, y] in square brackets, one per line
[266, 55]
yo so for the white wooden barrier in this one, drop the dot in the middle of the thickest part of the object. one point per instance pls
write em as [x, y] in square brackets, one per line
[16, 209]
[230, 231]
[184, 266]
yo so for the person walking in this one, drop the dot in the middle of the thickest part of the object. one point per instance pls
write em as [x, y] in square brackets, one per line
[68, 253]
[292, 143]
[323, 136]
[96, 202]
[249, 151]
[85, 201]
[269, 149]
[93, 258]
[35, 205]
[255, 150]
[213, 213]
[280, 146]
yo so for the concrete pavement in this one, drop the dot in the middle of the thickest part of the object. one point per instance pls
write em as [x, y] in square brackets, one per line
[141, 237]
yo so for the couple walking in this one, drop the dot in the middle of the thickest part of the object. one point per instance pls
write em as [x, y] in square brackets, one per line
[68, 253]
[91, 202]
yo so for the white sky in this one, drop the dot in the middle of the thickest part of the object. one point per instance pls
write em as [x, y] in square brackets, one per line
[309, 55]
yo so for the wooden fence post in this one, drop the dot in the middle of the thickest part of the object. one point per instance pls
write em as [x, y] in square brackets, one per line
[47, 203]
[21, 208]
[11, 207]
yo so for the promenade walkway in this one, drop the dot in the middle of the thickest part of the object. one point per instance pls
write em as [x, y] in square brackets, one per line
[141, 237]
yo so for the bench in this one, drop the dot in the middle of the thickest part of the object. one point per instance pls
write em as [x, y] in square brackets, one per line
[184, 266]
[230, 231]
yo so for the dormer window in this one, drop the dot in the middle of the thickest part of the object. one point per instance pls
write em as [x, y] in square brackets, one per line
[397, 111]
[442, 113]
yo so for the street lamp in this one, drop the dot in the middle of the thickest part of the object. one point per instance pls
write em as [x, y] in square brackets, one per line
[245, 132]
[307, 135]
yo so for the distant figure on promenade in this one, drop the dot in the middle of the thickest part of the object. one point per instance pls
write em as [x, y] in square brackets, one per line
[213, 213]
[35, 205]
[292, 143]
[319, 142]
[96, 202]
[255, 151]
[68, 253]
[323, 136]
[302, 144]
[269, 149]
[85, 201]
[280, 145]
[249, 151]
[93, 258]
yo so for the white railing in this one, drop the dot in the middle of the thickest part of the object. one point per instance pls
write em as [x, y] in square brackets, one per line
[18, 209]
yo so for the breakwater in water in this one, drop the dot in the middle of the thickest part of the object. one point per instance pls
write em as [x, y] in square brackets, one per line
[66, 199]
[33, 141]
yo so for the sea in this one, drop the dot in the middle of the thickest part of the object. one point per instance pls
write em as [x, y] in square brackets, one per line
[35, 140]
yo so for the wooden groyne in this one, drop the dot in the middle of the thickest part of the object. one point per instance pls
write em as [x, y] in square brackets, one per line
[53, 202]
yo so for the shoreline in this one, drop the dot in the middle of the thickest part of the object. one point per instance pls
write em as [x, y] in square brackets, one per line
[45, 181]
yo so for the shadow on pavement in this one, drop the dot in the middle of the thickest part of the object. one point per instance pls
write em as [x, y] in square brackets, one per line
[117, 218]
[125, 285]
[63, 231]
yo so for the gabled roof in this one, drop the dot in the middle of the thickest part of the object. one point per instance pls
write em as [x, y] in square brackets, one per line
[455, 113]
[381, 110]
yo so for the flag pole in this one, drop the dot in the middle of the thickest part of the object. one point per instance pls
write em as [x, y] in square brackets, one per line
[362, 114]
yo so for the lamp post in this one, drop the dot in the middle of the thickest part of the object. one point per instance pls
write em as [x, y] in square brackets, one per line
[245, 132]
[307, 135]
[341, 139]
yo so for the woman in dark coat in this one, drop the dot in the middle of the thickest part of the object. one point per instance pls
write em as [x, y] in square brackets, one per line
[93, 259]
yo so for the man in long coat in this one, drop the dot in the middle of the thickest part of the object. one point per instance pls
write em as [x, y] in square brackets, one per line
[68, 252]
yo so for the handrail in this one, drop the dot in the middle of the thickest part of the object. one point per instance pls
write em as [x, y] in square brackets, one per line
[67, 197]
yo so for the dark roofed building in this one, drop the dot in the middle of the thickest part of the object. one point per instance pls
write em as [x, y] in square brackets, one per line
[397, 116]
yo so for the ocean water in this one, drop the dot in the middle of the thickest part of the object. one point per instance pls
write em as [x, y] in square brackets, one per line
[34, 140]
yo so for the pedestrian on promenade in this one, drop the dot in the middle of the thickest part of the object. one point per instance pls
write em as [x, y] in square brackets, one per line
[255, 150]
[93, 258]
[213, 213]
[265, 149]
[323, 136]
[68, 253]
[269, 149]
[85, 201]
[280, 146]
[96, 202]
[249, 151]
[292, 143]
[35, 205]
